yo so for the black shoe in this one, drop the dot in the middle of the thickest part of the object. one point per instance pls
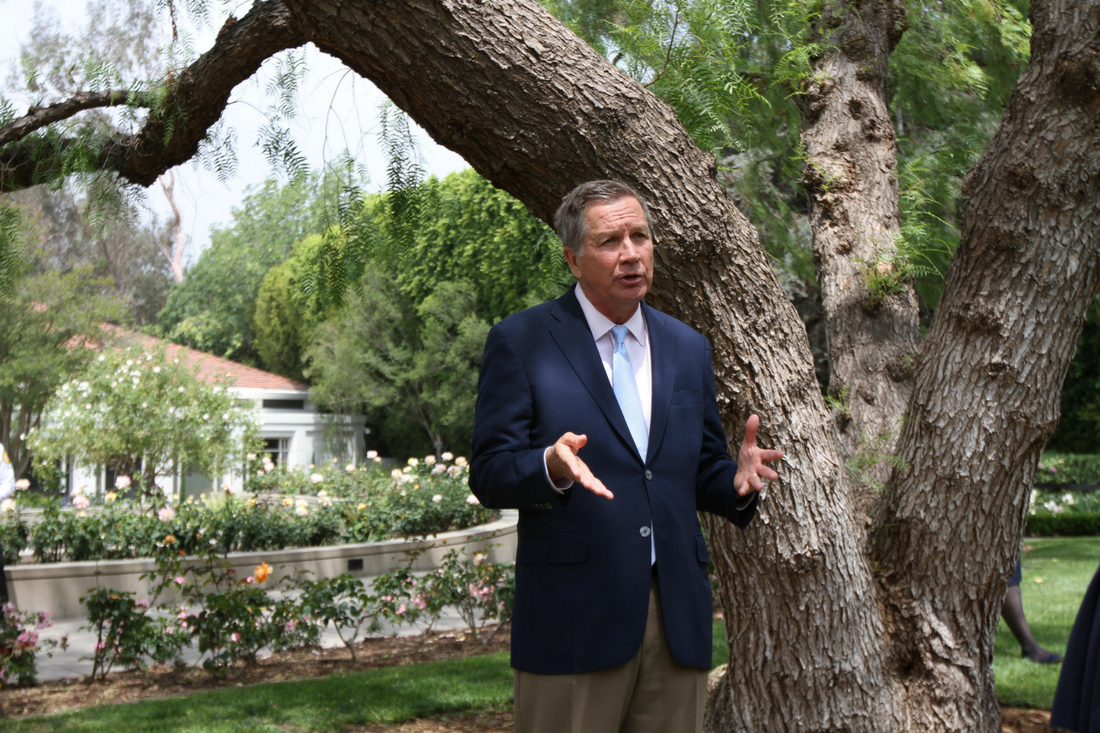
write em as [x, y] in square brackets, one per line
[1045, 658]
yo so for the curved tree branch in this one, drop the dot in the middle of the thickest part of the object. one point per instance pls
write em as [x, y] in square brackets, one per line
[39, 117]
[173, 130]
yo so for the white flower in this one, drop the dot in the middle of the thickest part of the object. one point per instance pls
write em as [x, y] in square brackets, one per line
[439, 468]
[1053, 507]
[429, 460]
[454, 471]
[167, 514]
[122, 482]
[437, 498]
[377, 459]
[156, 370]
[350, 468]
[316, 478]
[206, 416]
[301, 510]
[23, 484]
[81, 502]
[447, 456]
[7, 505]
[371, 455]
[101, 357]
[414, 461]
[1068, 499]
[471, 499]
[181, 389]
[395, 473]
[460, 461]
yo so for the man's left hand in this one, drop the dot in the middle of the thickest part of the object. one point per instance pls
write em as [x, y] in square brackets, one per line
[751, 471]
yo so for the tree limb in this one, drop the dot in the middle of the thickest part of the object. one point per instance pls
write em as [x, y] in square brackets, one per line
[39, 117]
[172, 132]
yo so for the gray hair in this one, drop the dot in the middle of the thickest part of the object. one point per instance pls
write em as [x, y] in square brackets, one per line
[569, 220]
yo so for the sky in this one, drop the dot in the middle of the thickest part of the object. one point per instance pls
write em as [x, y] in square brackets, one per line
[338, 111]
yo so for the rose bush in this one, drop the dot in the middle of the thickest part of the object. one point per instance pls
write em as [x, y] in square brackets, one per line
[366, 503]
[20, 645]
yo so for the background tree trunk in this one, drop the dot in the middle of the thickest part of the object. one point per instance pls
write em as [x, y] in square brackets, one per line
[850, 177]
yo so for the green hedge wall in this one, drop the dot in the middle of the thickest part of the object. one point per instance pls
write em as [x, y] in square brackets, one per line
[1063, 525]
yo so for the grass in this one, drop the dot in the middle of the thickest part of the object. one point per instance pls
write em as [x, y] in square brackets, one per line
[333, 703]
[1057, 571]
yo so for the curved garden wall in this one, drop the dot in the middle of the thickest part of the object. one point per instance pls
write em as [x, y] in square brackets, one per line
[58, 587]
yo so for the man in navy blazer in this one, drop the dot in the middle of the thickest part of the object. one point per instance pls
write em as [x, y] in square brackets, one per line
[612, 623]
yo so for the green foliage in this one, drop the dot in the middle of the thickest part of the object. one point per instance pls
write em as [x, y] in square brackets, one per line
[1068, 468]
[1061, 513]
[20, 646]
[1079, 429]
[950, 78]
[213, 310]
[144, 415]
[870, 454]
[888, 273]
[363, 504]
[11, 248]
[126, 633]
[383, 352]
[286, 316]
[343, 602]
[48, 321]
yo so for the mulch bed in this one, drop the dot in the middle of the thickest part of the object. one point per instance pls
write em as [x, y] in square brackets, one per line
[62, 695]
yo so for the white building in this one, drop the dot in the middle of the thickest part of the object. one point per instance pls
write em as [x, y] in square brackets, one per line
[293, 431]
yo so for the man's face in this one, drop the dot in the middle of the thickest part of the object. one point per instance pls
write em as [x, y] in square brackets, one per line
[615, 268]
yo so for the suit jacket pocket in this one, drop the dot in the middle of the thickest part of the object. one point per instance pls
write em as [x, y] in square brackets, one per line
[687, 397]
[701, 552]
[547, 549]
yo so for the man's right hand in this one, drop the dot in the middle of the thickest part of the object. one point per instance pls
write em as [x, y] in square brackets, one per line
[563, 464]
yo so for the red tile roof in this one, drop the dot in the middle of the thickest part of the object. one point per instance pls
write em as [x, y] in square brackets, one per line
[212, 368]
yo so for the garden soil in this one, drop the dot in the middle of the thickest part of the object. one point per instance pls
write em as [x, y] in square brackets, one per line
[119, 687]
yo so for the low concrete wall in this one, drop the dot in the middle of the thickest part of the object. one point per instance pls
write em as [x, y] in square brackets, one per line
[58, 587]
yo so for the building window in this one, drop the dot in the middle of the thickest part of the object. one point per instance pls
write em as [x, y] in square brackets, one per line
[284, 404]
[277, 449]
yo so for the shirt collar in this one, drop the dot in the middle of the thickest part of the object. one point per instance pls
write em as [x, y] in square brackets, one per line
[601, 325]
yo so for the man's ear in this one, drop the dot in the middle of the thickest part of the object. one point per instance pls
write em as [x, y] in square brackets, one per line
[571, 260]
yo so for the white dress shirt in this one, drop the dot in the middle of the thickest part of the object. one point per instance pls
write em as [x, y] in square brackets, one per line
[7, 475]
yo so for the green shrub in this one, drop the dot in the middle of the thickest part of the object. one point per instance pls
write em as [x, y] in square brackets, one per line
[20, 646]
[345, 504]
[1064, 525]
[1068, 468]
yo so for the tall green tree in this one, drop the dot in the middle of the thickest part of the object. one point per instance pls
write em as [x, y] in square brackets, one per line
[213, 309]
[414, 360]
[50, 322]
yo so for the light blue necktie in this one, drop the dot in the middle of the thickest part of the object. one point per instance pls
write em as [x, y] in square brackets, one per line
[626, 391]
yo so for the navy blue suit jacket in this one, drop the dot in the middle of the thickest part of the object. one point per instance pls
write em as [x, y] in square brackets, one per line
[583, 561]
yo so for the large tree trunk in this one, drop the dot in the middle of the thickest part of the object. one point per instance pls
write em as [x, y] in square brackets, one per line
[537, 111]
[850, 176]
[986, 396]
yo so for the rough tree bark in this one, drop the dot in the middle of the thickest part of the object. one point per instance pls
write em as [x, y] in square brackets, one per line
[821, 640]
[850, 177]
[986, 395]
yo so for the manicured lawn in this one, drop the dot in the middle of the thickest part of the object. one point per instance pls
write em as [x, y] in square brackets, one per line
[330, 704]
[1056, 573]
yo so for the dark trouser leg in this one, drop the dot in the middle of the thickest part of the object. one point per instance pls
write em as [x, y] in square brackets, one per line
[1012, 611]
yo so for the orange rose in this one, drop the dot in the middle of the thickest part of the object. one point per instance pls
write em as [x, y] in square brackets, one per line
[263, 570]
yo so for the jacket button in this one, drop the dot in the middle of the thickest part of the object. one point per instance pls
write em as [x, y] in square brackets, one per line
[644, 531]
[648, 475]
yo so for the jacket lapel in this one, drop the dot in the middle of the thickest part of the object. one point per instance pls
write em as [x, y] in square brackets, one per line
[662, 355]
[573, 336]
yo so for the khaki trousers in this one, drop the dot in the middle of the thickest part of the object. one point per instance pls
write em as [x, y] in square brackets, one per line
[652, 693]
